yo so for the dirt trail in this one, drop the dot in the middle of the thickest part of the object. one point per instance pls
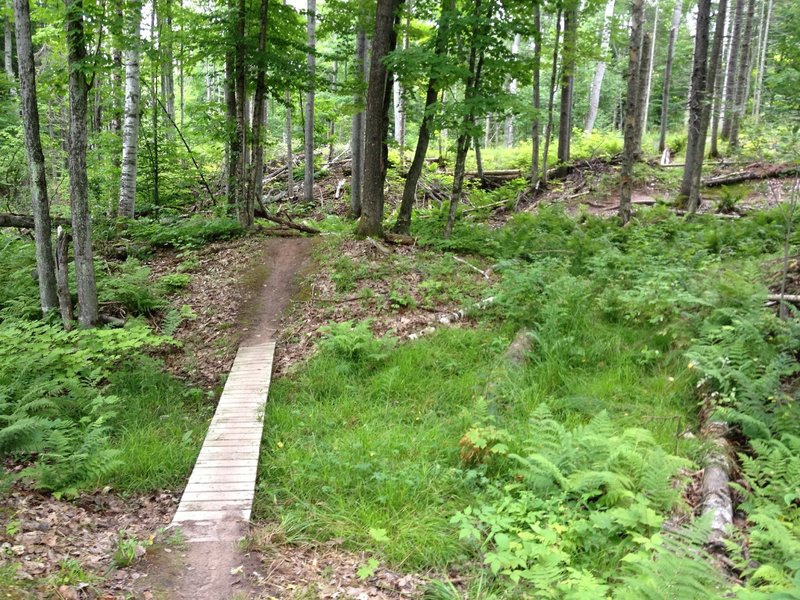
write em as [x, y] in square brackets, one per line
[214, 568]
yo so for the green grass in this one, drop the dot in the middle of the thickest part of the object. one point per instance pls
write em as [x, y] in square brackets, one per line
[159, 427]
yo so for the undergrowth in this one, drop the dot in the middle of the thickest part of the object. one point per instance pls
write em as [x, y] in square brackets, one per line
[570, 486]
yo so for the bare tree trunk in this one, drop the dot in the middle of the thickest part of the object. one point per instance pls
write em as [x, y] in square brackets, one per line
[600, 71]
[731, 82]
[698, 98]
[182, 59]
[130, 131]
[705, 116]
[308, 183]
[512, 90]
[257, 162]
[289, 153]
[62, 278]
[537, 66]
[641, 93]
[719, 87]
[673, 36]
[403, 223]
[476, 56]
[244, 208]
[631, 103]
[166, 56]
[332, 120]
[76, 161]
[371, 221]
[743, 86]
[762, 63]
[553, 74]
[45, 267]
[398, 103]
[357, 136]
[154, 85]
[232, 147]
[650, 58]
[8, 52]
[567, 81]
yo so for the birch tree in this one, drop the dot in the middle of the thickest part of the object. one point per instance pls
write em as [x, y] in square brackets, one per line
[537, 66]
[357, 134]
[130, 128]
[743, 77]
[600, 70]
[677, 13]
[762, 63]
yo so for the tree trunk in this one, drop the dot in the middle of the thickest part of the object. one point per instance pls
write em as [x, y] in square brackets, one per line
[357, 137]
[697, 98]
[260, 95]
[762, 63]
[649, 77]
[165, 47]
[154, 155]
[398, 103]
[8, 51]
[600, 71]
[512, 90]
[45, 268]
[673, 36]
[743, 85]
[308, 182]
[130, 131]
[705, 116]
[553, 75]
[403, 224]
[232, 147]
[289, 153]
[371, 221]
[62, 278]
[641, 93]
[76, 163]
[717, 100]
[628, 153]
[537, 66]
[476, 56]
[332, 121]
[567, 81]
[731, 82]
[244, 207]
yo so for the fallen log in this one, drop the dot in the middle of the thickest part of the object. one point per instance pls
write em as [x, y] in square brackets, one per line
[26, 221]
[748, 175]
[717, 502]
[279, 231]
[794, 298]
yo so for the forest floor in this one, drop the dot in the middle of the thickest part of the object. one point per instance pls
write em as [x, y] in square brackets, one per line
[289, 288]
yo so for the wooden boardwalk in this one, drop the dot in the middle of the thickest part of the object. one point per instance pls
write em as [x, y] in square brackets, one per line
[218, 499]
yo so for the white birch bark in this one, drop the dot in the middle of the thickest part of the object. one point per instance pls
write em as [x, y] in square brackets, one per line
[600, 71]
[648, 87]
[512, 89]
[130, 128]
[762, 63]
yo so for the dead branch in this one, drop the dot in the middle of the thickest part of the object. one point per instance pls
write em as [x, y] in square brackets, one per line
[753, 175]
[26, 221]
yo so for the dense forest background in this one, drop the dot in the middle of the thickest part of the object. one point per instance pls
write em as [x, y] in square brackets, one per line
[542, 257]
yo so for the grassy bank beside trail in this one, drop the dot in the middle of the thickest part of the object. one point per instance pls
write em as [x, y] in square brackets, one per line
[434, 454]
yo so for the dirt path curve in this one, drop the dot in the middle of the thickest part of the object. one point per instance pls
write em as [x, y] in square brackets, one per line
[211, 565]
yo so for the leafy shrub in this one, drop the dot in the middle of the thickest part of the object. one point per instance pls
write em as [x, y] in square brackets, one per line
[174, 282]
[129, 289]
[53, 407]
[184, 233]
[354, 342]
[549, 513]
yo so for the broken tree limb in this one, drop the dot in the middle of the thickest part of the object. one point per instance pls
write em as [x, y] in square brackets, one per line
[399, 239]
[717, 502]
[753, 175]
[288, 223]
[26, 221]
[471, 266]
[62, 278]
[451, 318]
[794, 298]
